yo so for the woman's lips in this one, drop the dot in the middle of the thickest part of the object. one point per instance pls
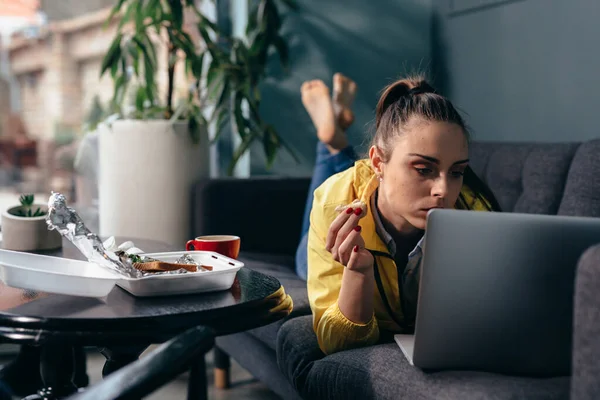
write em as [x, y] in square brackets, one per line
[426, 210]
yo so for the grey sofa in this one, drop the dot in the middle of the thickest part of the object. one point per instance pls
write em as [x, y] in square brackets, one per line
[557, 178]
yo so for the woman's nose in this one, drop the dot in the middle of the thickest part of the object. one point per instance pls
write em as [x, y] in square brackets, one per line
[440, 187]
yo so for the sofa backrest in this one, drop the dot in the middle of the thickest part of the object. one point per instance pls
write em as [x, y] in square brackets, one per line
[266, 212]
[541, 178]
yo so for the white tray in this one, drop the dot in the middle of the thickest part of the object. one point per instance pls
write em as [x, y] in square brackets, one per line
[55, 274]
[220, 278]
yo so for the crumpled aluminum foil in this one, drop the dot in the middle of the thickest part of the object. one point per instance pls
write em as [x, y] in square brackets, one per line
[70, 225]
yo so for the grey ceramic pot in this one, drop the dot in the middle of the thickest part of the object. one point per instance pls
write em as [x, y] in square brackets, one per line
[28, 233]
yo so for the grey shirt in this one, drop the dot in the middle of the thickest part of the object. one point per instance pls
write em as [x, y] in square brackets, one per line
[410, 276]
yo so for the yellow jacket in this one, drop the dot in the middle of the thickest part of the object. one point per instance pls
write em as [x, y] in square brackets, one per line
[334, 331]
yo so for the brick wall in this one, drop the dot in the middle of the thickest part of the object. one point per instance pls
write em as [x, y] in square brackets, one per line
[59, 72]
[58, 10]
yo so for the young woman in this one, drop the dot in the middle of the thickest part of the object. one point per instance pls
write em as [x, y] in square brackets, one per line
[363, 262]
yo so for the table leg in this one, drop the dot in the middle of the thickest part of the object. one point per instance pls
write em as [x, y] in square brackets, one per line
[118, 357]
[197, 383]
[57, 370]
[222, 369]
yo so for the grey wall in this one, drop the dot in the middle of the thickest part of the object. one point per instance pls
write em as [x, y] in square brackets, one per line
[373, 42]
[524, 69]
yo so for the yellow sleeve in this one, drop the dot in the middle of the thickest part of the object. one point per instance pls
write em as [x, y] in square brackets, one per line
[334, 331]
[473, 202]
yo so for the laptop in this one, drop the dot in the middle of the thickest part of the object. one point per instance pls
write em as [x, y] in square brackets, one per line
[496, 292]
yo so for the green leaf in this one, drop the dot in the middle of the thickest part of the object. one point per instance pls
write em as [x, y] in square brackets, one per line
[291, 4]
[140, 98]
[184, 43]
[200, 122]
[157, 16]
[210, 44]
[126, 18]
[193, 128]
[146, 48]
[254, 111]
[114, 69]
[149, 75]
[214, 79]
[198, 66]
[270, 144]
[177, 13]
[222, 117]
[238, 113]
[151, 8]
[282, 49]
[112, 55]
[252, 20]
[135, 55]
[118, 90]
[124, 67]
[289, 150]
[224, 96]
[256, 93]
[239, 152]
[188, 66]
[195, 123]
[274, 19]
[150, 48]
[139, 16]
[113, 12]
[179, 111]
[241, 53]
[26, 200]
[187, 39]
[206, 23]
[261, 13]
[149, 63]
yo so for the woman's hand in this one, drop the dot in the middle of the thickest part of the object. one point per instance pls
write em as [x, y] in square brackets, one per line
[345, 242]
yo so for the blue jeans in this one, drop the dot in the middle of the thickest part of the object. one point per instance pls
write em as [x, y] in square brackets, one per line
[326, 166]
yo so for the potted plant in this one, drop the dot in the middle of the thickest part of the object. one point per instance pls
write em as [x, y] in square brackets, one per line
[156, 144]
[24, 227]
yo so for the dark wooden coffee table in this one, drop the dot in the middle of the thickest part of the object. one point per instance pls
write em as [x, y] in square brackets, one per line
[123, 326]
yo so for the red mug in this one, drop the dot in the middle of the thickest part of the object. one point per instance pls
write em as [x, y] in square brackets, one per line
[227, 245]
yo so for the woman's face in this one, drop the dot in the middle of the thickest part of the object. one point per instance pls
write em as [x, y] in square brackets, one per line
[425, 171]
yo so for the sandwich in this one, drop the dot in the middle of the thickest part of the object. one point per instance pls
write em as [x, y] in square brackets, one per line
[354, 205]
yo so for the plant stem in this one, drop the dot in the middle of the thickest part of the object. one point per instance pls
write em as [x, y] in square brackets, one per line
[171, 55]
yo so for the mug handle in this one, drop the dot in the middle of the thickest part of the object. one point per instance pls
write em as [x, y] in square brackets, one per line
[189, 246]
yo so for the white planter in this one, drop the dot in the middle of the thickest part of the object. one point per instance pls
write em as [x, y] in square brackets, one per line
[146, 172]
[28, 233]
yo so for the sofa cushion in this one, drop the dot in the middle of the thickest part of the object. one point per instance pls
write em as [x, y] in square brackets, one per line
[382, 372]
[280, 267]
[582, 191]
[527, 178]
[586, 330]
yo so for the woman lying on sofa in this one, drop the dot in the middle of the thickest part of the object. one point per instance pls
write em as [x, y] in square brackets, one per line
[362, 263]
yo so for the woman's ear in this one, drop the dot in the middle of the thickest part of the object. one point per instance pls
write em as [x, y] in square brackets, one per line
[376, 160]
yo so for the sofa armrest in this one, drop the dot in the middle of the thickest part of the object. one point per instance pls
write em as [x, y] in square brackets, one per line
[266, 212]
[585, 382]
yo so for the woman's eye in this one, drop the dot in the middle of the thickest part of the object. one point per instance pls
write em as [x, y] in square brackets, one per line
[457, 174]
[424, 171]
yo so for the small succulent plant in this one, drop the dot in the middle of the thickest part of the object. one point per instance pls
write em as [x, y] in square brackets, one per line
[26, 209]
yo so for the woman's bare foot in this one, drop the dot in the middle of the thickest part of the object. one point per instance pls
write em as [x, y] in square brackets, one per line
[344, 92]
[317, 101]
